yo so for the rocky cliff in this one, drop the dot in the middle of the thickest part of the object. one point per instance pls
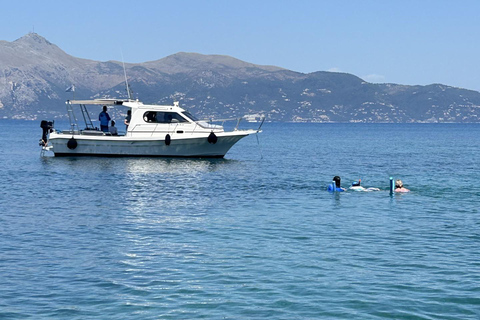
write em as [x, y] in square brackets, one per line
[36, 73]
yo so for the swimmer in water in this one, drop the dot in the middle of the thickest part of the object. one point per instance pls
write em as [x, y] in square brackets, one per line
[338, 188]
[356, 186]
[399, 186]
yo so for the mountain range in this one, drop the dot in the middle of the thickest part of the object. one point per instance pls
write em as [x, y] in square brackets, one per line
[36, 73]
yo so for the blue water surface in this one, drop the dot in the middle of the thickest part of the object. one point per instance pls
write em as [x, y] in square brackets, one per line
[252, 236]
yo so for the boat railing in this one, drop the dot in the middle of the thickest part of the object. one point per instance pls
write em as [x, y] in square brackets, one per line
[76, 132]
[211, 124]
[93, 132]
[221, 122]
[90, 132]
[211, 120]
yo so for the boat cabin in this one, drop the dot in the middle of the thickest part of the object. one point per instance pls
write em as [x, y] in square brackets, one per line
[145, 119]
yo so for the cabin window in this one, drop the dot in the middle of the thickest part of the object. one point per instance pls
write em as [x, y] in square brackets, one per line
[163, 117]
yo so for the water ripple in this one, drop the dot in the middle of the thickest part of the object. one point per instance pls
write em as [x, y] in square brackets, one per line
[245, 237]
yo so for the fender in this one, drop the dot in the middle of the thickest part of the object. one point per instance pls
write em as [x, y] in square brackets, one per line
[212, 138]
[72, 143]
[168, 139]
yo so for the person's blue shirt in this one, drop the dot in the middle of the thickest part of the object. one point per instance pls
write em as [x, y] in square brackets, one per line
[104, 118]
[331, 188]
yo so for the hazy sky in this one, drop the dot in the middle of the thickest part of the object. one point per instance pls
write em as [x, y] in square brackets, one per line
[405, 41]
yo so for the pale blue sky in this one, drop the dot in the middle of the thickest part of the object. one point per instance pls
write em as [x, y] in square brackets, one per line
[399, 41]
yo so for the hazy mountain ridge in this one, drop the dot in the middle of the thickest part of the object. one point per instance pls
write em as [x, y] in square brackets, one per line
[36, 73]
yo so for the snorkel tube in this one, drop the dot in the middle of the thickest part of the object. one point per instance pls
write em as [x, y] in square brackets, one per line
[331, 187]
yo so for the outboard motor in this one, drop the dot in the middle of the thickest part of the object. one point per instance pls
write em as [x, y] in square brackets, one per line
[47, 127]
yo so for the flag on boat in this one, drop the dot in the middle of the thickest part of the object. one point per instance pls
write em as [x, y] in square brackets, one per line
[70, 89]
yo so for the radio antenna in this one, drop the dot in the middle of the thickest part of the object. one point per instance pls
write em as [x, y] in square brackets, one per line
[126, 81]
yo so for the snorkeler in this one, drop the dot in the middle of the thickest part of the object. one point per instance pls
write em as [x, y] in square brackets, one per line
[335, 185]
[356, 186]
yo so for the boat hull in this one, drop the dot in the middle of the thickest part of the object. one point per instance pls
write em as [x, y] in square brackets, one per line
[122, 146]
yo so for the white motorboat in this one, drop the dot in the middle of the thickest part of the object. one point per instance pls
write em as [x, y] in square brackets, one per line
[154, 130]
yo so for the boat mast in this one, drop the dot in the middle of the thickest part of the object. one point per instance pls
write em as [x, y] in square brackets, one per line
[126, 81]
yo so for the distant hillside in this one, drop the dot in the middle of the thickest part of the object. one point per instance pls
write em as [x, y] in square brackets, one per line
[37, 72]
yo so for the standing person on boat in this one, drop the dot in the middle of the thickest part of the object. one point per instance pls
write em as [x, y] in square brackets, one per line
[127, 119]
[113, 130]
[399, 186]
[104, 118]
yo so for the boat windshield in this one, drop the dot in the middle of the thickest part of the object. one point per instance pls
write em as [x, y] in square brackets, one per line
[190, 116]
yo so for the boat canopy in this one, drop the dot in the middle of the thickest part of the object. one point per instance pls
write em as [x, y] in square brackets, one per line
[107, 102]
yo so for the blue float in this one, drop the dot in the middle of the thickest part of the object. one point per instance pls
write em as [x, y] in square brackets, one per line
[333, 188]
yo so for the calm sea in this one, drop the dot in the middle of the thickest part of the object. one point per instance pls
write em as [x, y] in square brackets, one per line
[251, 236]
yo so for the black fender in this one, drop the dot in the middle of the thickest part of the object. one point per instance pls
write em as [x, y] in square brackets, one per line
[72, 143]
[212, 138]
[168, 139]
